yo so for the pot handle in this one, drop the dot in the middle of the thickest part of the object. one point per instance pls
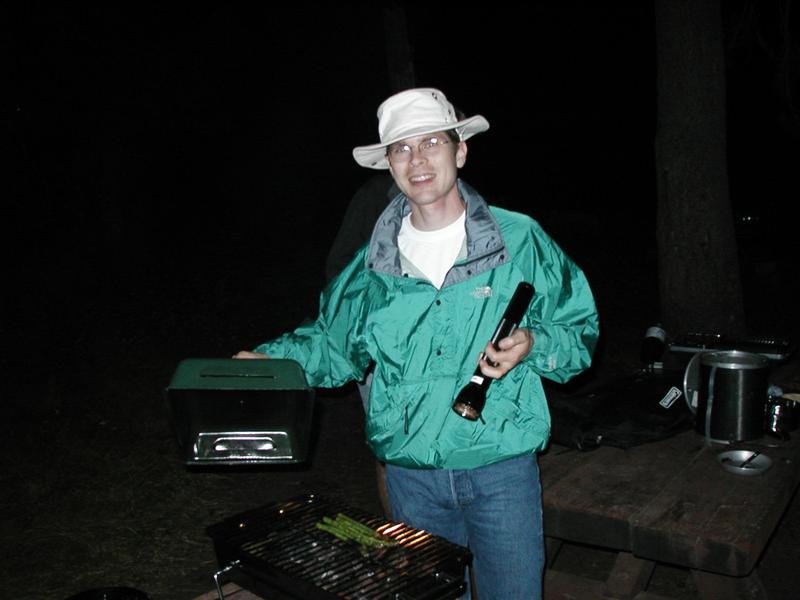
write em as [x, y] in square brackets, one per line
[691, 382]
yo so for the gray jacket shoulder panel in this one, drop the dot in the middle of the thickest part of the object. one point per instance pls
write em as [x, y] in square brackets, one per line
[485, 247]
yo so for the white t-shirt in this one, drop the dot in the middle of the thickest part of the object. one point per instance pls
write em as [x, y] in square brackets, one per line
[432, 252]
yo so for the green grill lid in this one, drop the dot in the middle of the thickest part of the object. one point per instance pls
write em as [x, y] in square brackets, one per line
[235, 374]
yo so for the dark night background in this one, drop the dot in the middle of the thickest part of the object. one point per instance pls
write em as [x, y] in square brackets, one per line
[179, 171]
[147, 138]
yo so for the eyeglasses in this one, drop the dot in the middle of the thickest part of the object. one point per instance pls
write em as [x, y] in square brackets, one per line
[400, 153]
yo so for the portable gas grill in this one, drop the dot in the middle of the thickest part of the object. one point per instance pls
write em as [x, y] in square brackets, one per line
[277, 552]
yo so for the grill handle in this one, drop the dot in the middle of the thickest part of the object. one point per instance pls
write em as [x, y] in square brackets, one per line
[222, 571]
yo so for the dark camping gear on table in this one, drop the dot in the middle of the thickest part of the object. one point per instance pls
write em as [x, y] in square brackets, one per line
[641, 407]
[279, 552]
[773, 348]
[229, 412]
[782, 413]
[623, 412]
[651, 351]
[739, 419]
[727, 391]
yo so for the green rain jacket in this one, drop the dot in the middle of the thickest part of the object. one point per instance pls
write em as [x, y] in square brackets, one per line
[426, 341]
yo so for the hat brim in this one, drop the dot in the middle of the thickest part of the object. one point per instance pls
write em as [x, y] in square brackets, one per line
[374, 156]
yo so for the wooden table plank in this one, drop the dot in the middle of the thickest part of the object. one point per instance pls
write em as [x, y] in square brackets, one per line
[707, 518]
[231, 592]
[564, 586]
[629, 576]
[592, 497]
[711, 585]
[669, 501]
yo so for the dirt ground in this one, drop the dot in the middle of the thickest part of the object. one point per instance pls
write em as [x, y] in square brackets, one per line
[94, 492]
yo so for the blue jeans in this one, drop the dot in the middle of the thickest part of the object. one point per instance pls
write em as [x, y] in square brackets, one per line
[496, 511]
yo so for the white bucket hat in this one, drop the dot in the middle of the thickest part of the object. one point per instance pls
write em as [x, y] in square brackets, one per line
[411, 113]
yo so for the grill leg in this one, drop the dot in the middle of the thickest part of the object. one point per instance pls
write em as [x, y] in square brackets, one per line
[472, 587]
[222, 571]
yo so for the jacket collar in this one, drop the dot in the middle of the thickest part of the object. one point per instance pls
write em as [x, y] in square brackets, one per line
[484, 240]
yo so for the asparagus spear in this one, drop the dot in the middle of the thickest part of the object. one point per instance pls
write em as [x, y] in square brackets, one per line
[347, 529]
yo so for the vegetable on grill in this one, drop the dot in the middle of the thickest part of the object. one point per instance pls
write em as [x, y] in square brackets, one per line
[350, 530]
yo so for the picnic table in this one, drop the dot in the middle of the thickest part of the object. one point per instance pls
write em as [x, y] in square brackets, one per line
[669, 502]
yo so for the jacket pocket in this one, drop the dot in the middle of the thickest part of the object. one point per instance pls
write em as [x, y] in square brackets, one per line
[388, 413]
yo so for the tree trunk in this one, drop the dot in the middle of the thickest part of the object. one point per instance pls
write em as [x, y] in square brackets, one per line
[699, 277]
[399, 57]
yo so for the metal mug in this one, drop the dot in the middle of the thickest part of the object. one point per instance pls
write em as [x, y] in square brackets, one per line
[781, 416]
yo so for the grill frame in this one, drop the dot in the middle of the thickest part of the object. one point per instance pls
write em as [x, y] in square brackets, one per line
[276, 551]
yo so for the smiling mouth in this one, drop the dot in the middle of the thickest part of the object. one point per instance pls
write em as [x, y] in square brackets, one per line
[420, 178]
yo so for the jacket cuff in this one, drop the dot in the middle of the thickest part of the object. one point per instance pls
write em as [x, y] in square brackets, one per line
[543, 359]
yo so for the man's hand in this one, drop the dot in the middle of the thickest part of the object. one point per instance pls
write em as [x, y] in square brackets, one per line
[512, 350]
[247, 354]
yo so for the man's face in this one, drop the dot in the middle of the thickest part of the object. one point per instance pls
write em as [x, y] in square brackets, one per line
[425, 167]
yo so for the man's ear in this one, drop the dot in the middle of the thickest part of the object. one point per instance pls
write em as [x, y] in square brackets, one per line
[461, 154]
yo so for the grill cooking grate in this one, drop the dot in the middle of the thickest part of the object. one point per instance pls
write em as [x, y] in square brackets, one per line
[280, 551]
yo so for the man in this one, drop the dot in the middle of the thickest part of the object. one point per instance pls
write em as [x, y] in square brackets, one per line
[421, 300]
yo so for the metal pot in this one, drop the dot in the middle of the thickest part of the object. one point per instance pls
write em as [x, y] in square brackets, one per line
[727, 391]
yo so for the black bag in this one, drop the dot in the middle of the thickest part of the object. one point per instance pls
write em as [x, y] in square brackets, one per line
[623, 412]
